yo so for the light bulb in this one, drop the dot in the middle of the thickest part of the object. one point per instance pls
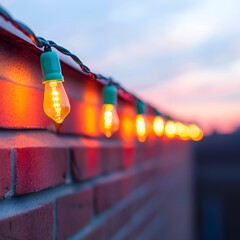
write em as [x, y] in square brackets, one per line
[195, 133]
[158, 126]
[182, 131]
[109, 121]
[141, 128]
[170, 129]
[56, 104]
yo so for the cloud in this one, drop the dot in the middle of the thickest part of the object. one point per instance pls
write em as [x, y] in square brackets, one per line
[165, 44]
[210, 96]
[181, 55]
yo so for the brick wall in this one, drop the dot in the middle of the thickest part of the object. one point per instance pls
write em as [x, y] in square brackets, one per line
[68, 182]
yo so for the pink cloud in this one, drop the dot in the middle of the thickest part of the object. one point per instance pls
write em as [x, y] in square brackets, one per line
[201, 96]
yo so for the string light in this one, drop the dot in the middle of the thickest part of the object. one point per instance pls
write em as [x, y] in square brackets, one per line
[195, 133]
[141, 129]
[109, 121]
[182, 131]
[170, 129]
[56, 104]
[158, 124]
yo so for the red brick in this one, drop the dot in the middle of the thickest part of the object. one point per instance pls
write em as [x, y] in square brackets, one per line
[128, 156]
[21, 65]
[110, 191]
[141, 153]
[78, 122]
[25, 102]
[39, 168]
[126, 184]
[73, 212]
[5, 171]
[151, 149]
[106, 194]
[87, 162]
[35, 224]
[112, 157]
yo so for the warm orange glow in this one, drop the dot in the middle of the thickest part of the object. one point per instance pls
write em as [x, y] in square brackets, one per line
[141, 128]
[109, 122]
[182, 131]
[91, 97]
[195, 133]
[91, 121]
[158, 126]
[56, 104]
[127, 126]
[170, 129]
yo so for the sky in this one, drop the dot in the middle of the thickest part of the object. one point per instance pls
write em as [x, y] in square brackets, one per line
[183, 56]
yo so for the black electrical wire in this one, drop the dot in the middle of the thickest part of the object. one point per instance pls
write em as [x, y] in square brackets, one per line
[41, 42]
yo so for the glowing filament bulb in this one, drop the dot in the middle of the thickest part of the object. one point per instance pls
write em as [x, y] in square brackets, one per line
[195, 133]
[109, 122]
[170, 129]
[141, 128]
[158, 126]
[182, 130]
[56, 104]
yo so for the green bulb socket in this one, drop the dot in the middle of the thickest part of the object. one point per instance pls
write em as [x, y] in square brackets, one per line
[140, 107]
[110, 94]
[51, 67]
[157, 113]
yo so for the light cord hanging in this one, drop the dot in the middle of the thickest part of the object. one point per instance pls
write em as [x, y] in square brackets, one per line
[59, 113]
[41, 42]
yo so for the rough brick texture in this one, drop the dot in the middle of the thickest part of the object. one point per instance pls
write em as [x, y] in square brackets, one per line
[68, 181]
[111, 156]
[111, 190]
[128, 158]
[5, 172]
[39, 168]
[35, 224]
[73, 212]
[87, 162]
[148, 199]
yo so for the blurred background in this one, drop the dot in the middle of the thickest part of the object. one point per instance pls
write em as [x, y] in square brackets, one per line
[182, 56]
